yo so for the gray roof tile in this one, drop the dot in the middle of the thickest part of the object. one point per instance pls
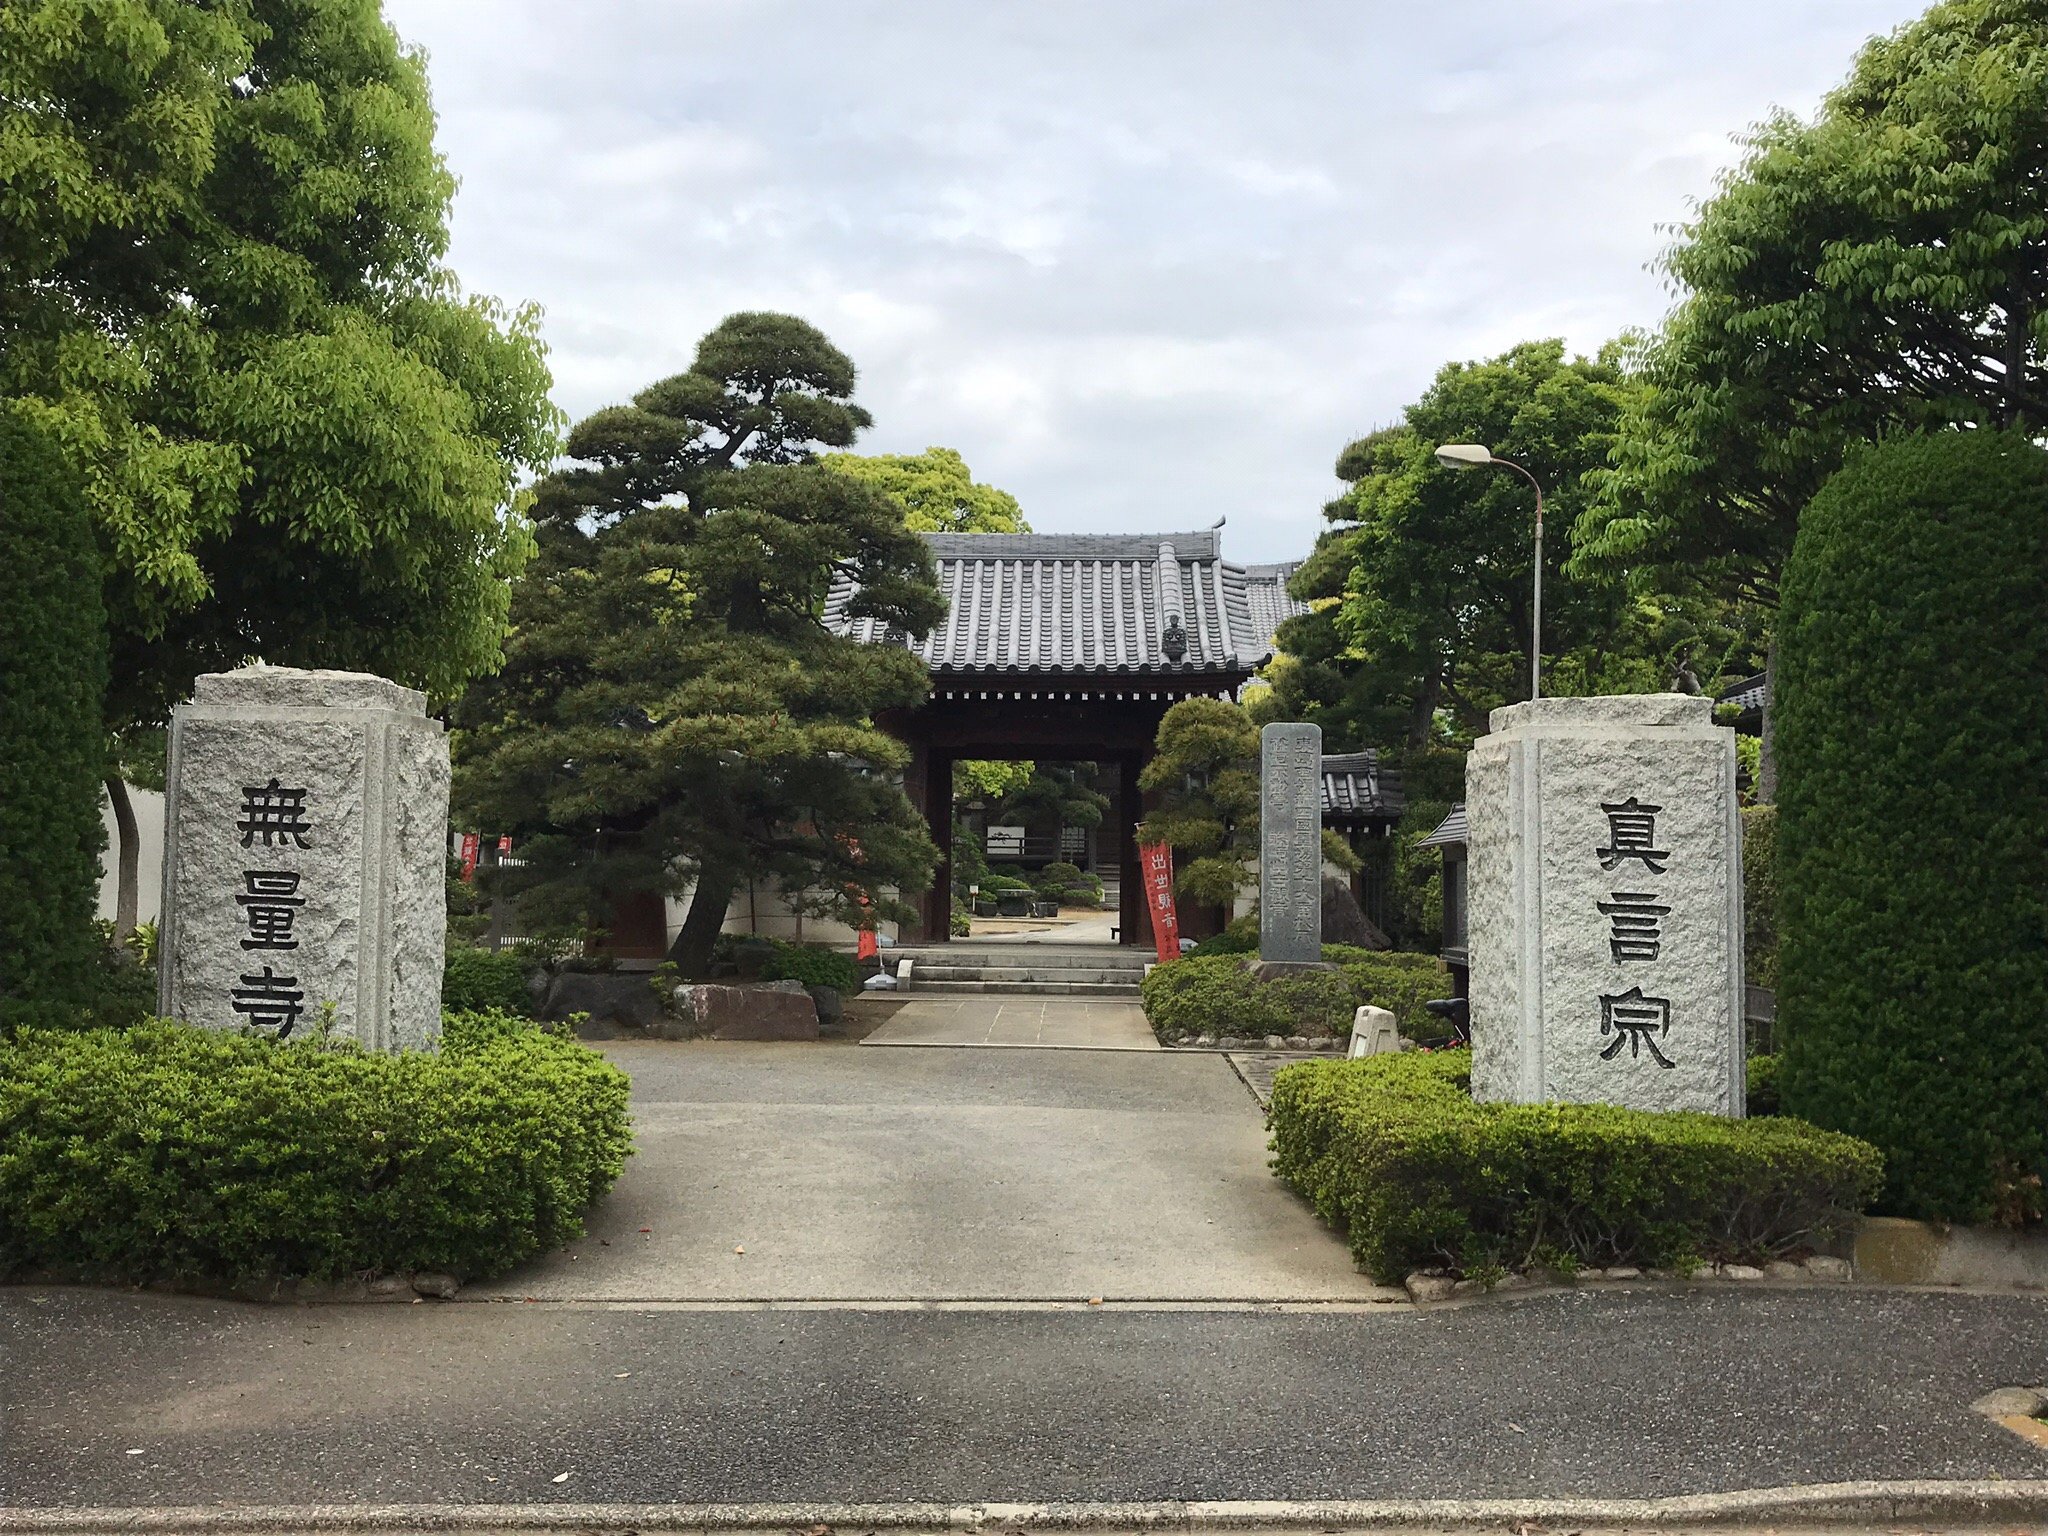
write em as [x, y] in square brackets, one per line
[1356, 787]
[1089, 603]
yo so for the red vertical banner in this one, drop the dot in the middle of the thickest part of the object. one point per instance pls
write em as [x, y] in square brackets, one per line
[469, 850]
[504, 845]
[1157, 861]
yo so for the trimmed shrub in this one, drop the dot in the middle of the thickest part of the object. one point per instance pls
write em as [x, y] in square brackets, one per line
[53, 747]
[1218, 995]
[814, 965]
[1068, 884]
[1760, 894]
[1912, 734]
[172, 1152]
[1240, 936]
[483, 981]
[1762, 1073]
[1393, 1150]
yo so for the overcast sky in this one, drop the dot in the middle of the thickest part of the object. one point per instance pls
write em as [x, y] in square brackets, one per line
[1145, 264]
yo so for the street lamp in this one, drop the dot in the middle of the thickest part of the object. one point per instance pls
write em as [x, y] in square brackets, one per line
[1475, 456]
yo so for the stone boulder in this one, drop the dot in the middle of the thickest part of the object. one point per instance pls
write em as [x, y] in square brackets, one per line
[769, 1010]
[1345, 922]
[612, 997]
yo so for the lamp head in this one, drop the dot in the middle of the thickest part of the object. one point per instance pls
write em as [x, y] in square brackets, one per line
[1464, 456]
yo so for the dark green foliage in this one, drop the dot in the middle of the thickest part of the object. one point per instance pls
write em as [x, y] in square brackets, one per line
[1912, 734]
[53, 748]
[1760, 894]
[674, 713]
[1762, 1072]
[178, 1153]
[1216, 994]
[486, 981]
[1240, 936]
[1393, 1150]
[1069, 885]
[815, 965]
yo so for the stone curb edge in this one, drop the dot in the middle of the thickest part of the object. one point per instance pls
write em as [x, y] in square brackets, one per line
[1817, 1502]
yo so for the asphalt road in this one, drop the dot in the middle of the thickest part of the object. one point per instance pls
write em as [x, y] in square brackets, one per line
[124, 1399]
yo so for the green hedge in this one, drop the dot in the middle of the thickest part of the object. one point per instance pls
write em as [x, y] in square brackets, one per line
[171, 1152]
[1912, 741]
[1760, 895]
[1393, 1150]
[1217, 995]
[53, 747]
[482, 980]
[814, 965]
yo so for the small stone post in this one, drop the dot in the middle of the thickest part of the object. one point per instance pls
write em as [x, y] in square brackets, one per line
[1605, 928]
[1290, 848]
[305, 848]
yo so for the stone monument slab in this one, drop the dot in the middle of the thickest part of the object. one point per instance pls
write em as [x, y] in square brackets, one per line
[1605, 929]
[305, 851]
[1290, 845]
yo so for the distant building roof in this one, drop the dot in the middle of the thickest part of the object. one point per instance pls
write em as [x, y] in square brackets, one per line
[1265, 590]
[1357, 788]
[1751, 696]
[1084, 604]
[1450, 830]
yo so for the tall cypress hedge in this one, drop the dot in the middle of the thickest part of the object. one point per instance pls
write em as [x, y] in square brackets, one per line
[53, 682]
[1912, 720]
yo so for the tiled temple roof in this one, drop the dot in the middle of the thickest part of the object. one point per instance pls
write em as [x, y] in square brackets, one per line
[1087, 604]
[1357, 788]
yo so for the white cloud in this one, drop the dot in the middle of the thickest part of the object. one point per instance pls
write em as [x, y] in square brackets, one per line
[1144, 262]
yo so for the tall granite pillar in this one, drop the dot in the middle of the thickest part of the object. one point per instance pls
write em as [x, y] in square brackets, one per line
[305, 848]
[1290, 847]
[1605, 927]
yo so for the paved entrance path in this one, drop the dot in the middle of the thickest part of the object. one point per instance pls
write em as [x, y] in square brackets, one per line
[847, 1173]
[1629, 1392]
[966, 1019]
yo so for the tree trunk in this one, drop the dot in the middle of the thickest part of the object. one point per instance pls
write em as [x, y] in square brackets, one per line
[1767, 755]
[128, 858]
[691, 952]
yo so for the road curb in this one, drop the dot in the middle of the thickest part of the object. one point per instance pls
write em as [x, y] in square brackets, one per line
[1817, 1503]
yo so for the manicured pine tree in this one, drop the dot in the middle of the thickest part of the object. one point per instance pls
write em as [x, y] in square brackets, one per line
[1913, 819]
[53, 747]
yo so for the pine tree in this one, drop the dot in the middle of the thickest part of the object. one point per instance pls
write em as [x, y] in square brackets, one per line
[674, 713]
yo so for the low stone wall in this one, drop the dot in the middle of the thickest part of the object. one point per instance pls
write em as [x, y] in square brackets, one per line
[1893, 1251]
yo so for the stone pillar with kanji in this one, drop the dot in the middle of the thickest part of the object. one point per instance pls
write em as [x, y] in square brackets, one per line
[305, 849]
[1605, 924]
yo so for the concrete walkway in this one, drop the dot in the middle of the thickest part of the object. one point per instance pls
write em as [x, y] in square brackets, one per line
[853, 1174]
[1017, 1021]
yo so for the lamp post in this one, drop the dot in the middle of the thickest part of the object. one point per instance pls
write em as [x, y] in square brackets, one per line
[1474, 456]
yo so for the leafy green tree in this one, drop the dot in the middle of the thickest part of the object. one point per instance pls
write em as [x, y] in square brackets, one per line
[53, 669]
[1052, 796]
[976, 778]
[1204, 780]
[1882, 267]
[936, 491]
[221, 231]
[1423, 588]
[674, 714]
[1912, 858]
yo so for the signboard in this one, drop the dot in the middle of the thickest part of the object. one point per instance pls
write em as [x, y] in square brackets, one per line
[1157, 859]
[1004, 842]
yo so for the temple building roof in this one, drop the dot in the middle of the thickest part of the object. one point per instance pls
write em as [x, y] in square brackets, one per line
[1090, 604]
[1357, 789]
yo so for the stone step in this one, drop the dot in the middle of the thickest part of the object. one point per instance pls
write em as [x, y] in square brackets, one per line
[1108, 990]
[1034, 958]
[933, 970]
